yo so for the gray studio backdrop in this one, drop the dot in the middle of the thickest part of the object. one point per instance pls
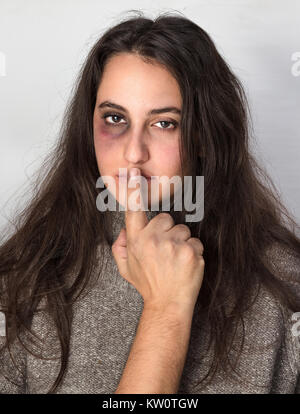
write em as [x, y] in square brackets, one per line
[43, 44]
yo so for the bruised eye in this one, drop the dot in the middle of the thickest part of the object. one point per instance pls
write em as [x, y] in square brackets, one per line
[114, 120]
[114, 117]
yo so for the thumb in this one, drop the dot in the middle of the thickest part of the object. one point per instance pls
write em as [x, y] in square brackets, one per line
[119, 251]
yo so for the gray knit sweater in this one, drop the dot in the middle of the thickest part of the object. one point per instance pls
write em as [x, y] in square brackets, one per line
[105, 324]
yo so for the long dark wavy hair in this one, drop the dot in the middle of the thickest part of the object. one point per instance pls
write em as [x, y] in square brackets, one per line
[58, 232]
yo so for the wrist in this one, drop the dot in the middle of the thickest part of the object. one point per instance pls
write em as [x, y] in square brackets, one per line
[171, 310]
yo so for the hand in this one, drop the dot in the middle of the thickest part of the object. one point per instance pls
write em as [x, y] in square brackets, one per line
[161, 260]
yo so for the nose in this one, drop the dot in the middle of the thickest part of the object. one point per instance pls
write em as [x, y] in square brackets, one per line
[136, 149]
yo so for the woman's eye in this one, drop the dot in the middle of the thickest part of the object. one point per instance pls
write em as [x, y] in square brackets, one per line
[115, 120]
[166, 124]
[113, 116]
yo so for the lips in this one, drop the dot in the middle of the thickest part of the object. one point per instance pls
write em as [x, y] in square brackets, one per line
[143, 174]
[124, 176]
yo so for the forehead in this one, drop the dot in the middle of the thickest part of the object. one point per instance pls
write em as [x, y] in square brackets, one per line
[127, 77]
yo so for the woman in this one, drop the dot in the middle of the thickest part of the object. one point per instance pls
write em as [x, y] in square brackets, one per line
[141, 302]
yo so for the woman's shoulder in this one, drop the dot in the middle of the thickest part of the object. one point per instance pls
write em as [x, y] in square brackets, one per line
[266, 342]
[270, 321]
[285, 265]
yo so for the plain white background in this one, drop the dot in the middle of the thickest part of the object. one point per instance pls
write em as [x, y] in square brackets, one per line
[44, 43]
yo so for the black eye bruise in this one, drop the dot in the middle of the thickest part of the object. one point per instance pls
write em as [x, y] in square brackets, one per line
[106, 115]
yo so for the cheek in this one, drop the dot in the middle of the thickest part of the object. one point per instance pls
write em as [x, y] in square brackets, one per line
[109, 133]
[105, 141]
[167, 158]
[105, 135]
[106, 148]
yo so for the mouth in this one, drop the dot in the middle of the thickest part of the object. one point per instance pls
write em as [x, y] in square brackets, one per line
[149, 178]
[125, 178]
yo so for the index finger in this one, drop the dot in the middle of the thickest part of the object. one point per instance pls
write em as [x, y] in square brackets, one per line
[135, 214]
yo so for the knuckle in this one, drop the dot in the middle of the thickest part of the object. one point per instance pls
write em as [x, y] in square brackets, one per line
[165, 217]
[183, 228]
[187, 252]
[168, 246]
[197, 243]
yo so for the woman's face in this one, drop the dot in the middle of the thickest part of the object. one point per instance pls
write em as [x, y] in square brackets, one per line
[136, 135]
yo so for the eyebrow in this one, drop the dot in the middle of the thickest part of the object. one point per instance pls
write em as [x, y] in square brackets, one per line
[155, 111]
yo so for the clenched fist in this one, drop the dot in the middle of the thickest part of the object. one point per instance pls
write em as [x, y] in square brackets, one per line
[161, 260]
